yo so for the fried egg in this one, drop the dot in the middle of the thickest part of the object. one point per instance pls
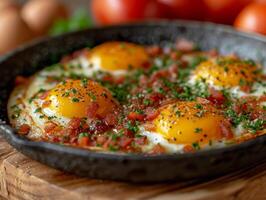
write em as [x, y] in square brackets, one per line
[66, 100]
[187, 123]
[229, 73]
[114, 57]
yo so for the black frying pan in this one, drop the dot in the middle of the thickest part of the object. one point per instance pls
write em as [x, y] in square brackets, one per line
[136, 168]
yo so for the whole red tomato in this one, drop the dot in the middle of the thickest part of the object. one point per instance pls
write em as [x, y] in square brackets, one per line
[224, 11]
[252, 18]
[184, 9]
[121, 11]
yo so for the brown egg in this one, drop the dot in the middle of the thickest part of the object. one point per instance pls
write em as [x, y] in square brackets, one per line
[13, 30]
[7, 4]
[41, 14]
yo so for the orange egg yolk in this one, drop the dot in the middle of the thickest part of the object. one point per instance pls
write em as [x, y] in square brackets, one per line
[226, 72]
[189, 122]
[118, 56]
[73, 98]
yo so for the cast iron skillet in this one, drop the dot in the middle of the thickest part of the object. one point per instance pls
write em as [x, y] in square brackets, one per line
[135, 168]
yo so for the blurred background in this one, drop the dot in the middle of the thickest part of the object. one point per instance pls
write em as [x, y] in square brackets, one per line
[24, 20]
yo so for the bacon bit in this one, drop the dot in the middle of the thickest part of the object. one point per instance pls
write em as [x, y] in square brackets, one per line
[202, 100]
[125, 141]
[154, 50]
[119, 80]
[135, 116]
[46, 103]
[83, 141]
[245, 88]
[101, 127]
[173, 69]
[24, 129]
[110, 119]
[49, 127]
[56, 139]
[188, 149]
[108, 78]
[128, 133]
[216, 97]
[20, 80]
[101, 139]
[74, 123]
[92, 110]
[174, 55]
[262, 98]
[151, 114]
[73, 140]
[146, 65]
[149, 127]
[225, 129]
[184, 45]
[76, 54]
[143, 80]
[156, 97]
[44, 95]
[108, 143]
[213, 53]
[141, 140]
[158, 149]
[159, 74]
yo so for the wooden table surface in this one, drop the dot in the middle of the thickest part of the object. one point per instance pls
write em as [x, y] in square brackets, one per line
[23, 178]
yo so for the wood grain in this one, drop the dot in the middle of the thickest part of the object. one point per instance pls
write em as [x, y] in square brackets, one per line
[22, 178]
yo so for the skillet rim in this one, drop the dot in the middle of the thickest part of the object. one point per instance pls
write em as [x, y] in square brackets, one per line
[13, 138]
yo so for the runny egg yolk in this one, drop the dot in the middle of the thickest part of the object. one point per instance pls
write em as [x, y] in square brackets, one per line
[226, 72]
[189, 122]
[73, 98]
[118, 56]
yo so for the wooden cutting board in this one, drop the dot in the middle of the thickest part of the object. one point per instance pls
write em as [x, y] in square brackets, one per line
[23, 178]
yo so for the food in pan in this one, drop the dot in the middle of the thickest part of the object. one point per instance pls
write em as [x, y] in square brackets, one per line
[125, 97]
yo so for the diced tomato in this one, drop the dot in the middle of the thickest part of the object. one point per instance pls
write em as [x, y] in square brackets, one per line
[135, 116]
[92, 110]
[20, 80]
[24, 129]
[83, 141]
